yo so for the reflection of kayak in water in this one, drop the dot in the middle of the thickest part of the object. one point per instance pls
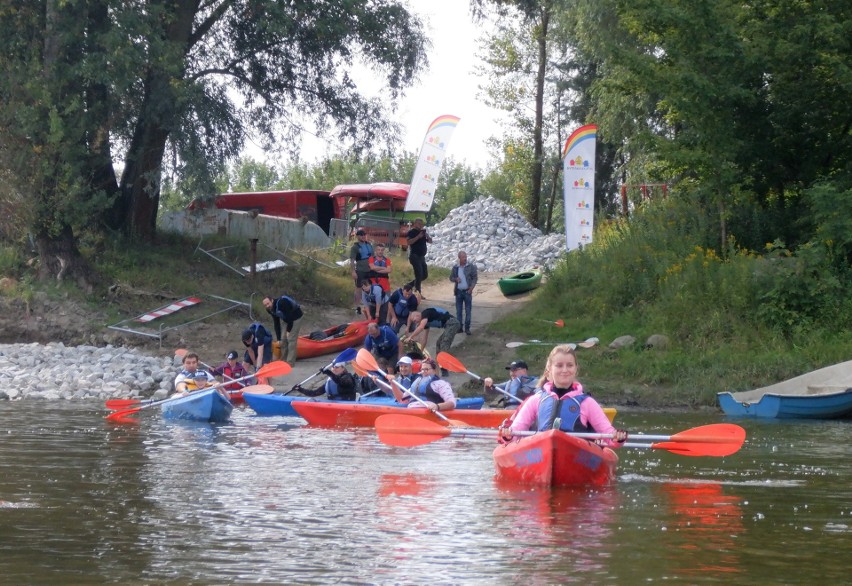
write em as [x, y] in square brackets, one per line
[554, 458]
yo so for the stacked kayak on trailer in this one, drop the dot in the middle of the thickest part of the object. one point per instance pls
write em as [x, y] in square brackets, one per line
[270, 405]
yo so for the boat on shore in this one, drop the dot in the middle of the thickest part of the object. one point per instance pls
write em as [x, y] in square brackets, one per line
[520, 282]
[554, 458]
[272, 405]
[825, 393]
[207, 405]
[343, 415]
[331, 340]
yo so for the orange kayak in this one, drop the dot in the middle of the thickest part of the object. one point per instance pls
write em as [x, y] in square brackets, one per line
[360, 415]
[554, 458]
[333, 339]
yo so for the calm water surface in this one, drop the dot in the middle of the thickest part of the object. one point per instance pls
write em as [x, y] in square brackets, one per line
[265, 500]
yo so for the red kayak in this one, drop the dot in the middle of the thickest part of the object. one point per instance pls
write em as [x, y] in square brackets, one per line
[331, 340]
[554, 458]
[362, 415]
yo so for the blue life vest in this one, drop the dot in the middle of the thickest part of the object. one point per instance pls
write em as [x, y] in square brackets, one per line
[522, 387]
[422, 387]
[567, 410]
[372, 298]
[405, 381]
[365, 251]
[384, 345]
[331, 389]
[261, 334]
[439, 323]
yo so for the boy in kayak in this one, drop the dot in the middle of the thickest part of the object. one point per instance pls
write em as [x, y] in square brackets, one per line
[437, 394]
[560, 403]
[232, 369]
[406, 376]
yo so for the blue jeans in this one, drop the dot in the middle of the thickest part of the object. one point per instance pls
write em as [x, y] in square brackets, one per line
[464, 299]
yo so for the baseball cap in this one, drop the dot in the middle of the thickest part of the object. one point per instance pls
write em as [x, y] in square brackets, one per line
[360, 232]
[232, 354]
[517, 364]
[405, 360]
[200, 374]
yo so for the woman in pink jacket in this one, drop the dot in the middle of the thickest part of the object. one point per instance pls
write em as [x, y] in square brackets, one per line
[560, 403]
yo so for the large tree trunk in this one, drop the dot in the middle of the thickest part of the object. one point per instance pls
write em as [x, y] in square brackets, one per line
[538, 146]
[60, 259]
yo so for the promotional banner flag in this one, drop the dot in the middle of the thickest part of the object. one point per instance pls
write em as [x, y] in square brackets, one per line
[578, 160]
[425, 177]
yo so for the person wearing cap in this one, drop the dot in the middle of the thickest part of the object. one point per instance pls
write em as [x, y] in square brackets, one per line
[383, 343]
[435, 392]
[258, 343]
[417, 239]
[287, 310]
[340, 385]
[405, 375]
[232, 369]
[464, 276]
[520, 384]
[359, 260]
[192, 378]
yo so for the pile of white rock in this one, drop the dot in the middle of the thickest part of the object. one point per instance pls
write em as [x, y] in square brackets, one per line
[495, 236]
[54, 371]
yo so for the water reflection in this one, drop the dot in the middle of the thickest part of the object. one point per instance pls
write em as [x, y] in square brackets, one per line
[704, 524]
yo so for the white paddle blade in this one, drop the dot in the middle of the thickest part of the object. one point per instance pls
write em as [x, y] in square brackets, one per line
[514, 344]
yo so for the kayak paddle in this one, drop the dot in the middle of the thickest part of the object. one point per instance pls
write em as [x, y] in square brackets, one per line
[368, 362]
[346, 356]
[276, 368]
[588, 343]
[719, 439]
[560, 323]
[117, 404]
[453, 364]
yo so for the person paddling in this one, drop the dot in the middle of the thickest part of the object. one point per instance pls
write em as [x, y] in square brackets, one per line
[192, 378]
[435, 392]
[561, 403]
[340, 385]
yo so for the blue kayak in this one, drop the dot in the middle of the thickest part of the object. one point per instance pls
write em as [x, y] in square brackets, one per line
[283, 404]
[207, 405]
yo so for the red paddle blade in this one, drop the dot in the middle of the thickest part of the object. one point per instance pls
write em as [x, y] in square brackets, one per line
[560, 323]
[122, 416]
[450, 362]
[718, 439]
[273, 369]
[405, 431]
[116, 404]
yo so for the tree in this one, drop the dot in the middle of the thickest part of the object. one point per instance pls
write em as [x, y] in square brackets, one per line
[113, 86]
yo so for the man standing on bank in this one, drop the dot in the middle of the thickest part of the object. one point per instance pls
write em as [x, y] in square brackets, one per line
[359, 260]
[464, 276]
[417, 238]
[287, 310]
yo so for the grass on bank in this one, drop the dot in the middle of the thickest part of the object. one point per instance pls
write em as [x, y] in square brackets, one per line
[734, 323]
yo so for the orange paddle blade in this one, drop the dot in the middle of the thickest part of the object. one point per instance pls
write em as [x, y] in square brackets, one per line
[405, 431]
[366, 360]
[718, 439]
[560, 323]
[258, 389]
[450, 362]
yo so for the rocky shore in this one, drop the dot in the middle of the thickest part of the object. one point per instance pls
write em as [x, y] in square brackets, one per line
[55, 371]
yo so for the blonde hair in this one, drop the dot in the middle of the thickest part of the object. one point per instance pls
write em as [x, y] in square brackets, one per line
[560, 349]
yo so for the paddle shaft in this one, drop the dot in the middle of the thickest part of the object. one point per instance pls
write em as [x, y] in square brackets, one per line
[452, 363]
[344, 356]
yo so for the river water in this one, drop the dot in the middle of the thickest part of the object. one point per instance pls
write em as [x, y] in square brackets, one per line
[266, 500]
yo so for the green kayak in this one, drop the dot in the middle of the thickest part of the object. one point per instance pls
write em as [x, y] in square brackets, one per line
[521, 282]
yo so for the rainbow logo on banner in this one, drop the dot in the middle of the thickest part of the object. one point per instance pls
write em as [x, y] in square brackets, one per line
[421, 194]
[578, 176]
